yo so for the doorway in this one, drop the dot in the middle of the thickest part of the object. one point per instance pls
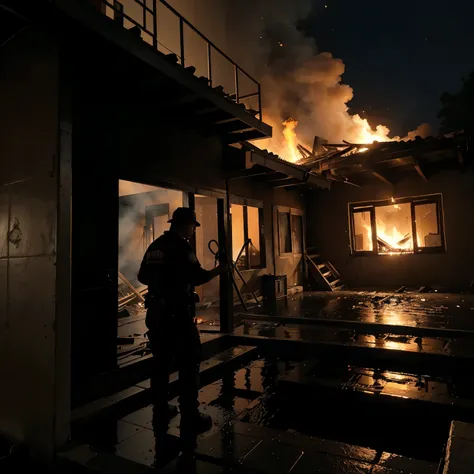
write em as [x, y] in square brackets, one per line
[208, 308]
[144, 212]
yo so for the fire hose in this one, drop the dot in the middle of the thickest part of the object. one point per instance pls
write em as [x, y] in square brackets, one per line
[220, 255]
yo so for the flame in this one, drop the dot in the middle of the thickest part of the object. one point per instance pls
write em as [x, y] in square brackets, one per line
[397, 242]
[284, 142]
[363, 133]
[291, 152]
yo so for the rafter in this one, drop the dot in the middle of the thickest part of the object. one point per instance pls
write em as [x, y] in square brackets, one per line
[419, 170]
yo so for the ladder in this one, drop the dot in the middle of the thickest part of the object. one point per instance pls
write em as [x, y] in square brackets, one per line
[325, 271]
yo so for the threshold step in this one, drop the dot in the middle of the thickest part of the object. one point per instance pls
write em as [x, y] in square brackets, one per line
[139, 393]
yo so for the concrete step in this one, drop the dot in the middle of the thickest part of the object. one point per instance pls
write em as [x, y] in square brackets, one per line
[139, 394]
[266, 450]
[135, 370]
[365, 345]
[396, 390]
[459, 457]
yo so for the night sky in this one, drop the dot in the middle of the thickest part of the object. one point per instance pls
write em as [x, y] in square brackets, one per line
[399, 55]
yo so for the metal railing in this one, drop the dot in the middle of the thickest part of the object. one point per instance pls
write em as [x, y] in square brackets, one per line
[148, 23]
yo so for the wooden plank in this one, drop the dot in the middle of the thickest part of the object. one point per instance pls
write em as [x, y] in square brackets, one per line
[134, 290]
[380, 176]
[316, 267]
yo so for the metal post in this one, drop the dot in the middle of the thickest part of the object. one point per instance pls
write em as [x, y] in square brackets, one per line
[236, 74]
[155, 24]
[260, 101]
[226, 291]
[181, 39]
[209, 64]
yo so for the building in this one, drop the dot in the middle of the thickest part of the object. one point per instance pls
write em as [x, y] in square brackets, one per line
[96, 114]
[111, 120]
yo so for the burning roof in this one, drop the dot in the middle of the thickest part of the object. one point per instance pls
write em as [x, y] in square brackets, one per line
[337, 161]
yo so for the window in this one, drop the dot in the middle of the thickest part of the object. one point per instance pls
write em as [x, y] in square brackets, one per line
[290, 231]
[297, 233]
[397, 226]
[284, 229]
[247, 237]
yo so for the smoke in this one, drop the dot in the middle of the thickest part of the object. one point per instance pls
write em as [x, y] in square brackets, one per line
[136, 201]
[299, 82]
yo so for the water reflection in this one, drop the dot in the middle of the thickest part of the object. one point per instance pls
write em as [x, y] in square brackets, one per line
[410, 309]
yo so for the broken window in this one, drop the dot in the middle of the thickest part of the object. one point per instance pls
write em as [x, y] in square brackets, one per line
[397, 226]
[247, 237]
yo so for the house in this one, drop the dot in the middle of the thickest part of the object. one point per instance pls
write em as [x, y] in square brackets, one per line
[112, 118]
[100, 120]
[398, 213]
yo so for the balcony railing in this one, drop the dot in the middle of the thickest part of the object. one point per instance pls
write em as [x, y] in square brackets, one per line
[155, 19]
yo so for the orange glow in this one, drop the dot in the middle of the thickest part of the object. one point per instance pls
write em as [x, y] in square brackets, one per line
[393, 228]
[291, 152]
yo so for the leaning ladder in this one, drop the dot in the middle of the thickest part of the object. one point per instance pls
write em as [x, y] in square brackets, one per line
[325, 271]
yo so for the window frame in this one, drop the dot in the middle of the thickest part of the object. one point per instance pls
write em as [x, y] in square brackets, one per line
[246, 203]
[370, 206]
[291, 212]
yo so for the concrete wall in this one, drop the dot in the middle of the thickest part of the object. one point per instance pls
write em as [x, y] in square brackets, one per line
[34, 331]
[328, 231]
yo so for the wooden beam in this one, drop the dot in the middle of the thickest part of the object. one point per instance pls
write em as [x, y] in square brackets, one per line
[251, 172]
[284, 183]
[238, 137]
[379, 175]
[419, 170]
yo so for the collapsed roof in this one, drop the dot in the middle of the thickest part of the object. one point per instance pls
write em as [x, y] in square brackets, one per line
[360, 164]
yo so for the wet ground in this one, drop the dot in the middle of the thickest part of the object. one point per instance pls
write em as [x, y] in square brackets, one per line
[307, 413]
[436, 310]
[258, 426]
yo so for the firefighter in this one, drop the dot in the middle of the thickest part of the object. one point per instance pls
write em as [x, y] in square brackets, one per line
[171, 270]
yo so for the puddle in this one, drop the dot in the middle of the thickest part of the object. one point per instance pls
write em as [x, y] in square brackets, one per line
[436, 310]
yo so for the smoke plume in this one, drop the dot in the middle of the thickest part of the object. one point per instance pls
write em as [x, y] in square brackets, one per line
[299, 82]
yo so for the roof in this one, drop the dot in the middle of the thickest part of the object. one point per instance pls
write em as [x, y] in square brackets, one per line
[267, 167]
[384, 161]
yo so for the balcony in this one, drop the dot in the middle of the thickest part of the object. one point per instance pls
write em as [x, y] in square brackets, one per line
[214, 86]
